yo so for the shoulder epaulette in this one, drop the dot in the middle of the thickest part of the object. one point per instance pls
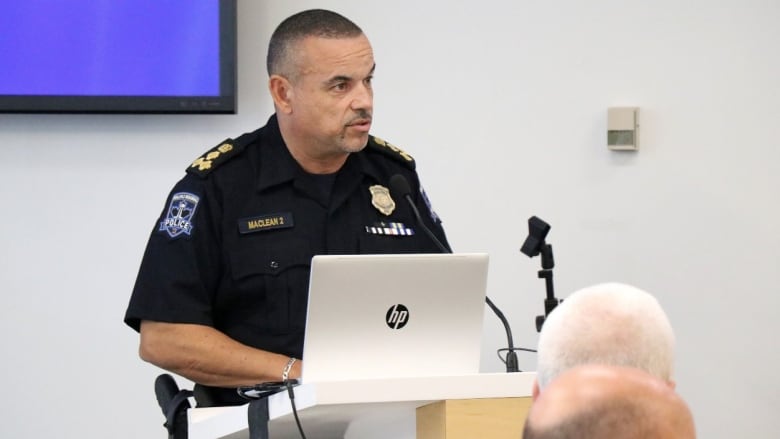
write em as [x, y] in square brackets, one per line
[390, 150]
[220, 154]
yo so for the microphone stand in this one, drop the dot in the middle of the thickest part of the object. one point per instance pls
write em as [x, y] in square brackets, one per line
[534, 245]
[546, 273]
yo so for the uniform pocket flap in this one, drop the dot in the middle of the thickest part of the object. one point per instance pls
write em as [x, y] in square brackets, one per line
[269, 259]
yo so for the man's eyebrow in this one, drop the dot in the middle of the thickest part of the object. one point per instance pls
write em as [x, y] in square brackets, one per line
[338, 79]
[343, 78]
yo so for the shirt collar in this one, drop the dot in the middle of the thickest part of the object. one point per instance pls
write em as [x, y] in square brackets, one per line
[277, 165]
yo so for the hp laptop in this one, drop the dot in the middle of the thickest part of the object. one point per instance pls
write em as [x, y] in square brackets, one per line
[389, 316]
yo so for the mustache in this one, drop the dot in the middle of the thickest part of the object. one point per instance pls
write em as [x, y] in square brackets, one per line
[361, 117]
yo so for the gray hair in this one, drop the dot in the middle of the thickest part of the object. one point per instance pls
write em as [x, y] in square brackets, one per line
[311, 23]
[613, 324]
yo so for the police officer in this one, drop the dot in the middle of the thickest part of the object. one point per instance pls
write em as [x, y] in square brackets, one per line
[221, 294]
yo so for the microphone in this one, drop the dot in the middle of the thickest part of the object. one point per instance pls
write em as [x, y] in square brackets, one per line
[534, 245]
[399, 187]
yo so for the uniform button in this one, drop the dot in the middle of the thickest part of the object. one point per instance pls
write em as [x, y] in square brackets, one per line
[274, 265]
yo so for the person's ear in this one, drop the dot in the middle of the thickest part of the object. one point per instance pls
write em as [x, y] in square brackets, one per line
[281, 92]
[535, 391]
[671, 383]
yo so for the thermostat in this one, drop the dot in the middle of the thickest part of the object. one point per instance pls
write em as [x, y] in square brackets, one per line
[622, 128]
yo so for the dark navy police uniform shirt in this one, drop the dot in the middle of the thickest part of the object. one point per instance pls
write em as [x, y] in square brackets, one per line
[232, 248]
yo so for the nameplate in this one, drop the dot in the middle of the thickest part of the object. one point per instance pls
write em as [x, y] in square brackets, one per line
[282, 220]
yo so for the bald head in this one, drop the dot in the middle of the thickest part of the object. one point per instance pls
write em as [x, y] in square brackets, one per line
[611, 323]
[599, 401]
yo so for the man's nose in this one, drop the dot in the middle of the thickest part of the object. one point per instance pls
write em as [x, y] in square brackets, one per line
[363, 97]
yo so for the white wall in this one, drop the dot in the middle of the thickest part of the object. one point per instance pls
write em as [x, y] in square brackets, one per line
[503, 103]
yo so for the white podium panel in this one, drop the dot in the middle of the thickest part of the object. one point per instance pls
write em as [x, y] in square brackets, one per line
[327, 410]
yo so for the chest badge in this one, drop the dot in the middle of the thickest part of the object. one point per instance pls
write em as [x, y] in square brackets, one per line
[380, 198]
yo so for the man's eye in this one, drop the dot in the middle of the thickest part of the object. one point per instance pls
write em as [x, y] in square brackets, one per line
[341, 86]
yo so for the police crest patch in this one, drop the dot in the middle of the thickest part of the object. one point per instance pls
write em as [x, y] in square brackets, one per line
[179, 218]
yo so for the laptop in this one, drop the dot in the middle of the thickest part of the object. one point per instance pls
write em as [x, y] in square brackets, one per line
[391, 316]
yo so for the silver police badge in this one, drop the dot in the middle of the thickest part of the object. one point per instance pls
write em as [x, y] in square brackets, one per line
[380, 198]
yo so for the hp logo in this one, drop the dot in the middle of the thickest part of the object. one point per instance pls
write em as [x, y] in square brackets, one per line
[397, 316]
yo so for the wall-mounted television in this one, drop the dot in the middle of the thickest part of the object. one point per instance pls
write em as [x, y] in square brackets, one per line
[118, 56]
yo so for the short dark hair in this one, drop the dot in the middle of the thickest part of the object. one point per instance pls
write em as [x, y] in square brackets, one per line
[310, 23]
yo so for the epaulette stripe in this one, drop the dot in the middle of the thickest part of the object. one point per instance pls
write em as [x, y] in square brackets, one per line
[221, 153]
[391, 150]
[206, 162]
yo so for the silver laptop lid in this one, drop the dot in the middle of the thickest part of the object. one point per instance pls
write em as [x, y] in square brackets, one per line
[399, 315]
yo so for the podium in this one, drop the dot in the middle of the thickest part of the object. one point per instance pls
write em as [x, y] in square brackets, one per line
[441, 407]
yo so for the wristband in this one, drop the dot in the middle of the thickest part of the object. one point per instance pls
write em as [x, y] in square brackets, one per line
[287, 368]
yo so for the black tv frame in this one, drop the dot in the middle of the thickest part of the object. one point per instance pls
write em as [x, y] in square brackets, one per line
[225, 103]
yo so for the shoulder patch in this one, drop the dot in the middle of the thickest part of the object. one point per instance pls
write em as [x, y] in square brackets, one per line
[218, 155]
[180, 216]
[390, 150]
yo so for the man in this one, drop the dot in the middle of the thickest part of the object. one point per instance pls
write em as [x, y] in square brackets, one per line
[613, 324]
[221, 293]
[609, 402]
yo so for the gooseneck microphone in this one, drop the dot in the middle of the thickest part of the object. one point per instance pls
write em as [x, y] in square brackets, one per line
[399, 187]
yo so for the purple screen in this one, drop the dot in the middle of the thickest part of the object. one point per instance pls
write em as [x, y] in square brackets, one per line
[109, 47]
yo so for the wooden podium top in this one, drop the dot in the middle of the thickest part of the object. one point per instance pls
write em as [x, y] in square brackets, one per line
[327, 409]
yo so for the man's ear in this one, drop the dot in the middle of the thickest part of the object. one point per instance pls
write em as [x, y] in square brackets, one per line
[281, 92]
[535, 391]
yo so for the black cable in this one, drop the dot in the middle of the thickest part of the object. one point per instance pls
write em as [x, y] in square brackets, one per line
[291, 393]
[510, 354]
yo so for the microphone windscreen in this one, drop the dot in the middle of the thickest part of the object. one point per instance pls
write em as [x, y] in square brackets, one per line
[399, 186]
